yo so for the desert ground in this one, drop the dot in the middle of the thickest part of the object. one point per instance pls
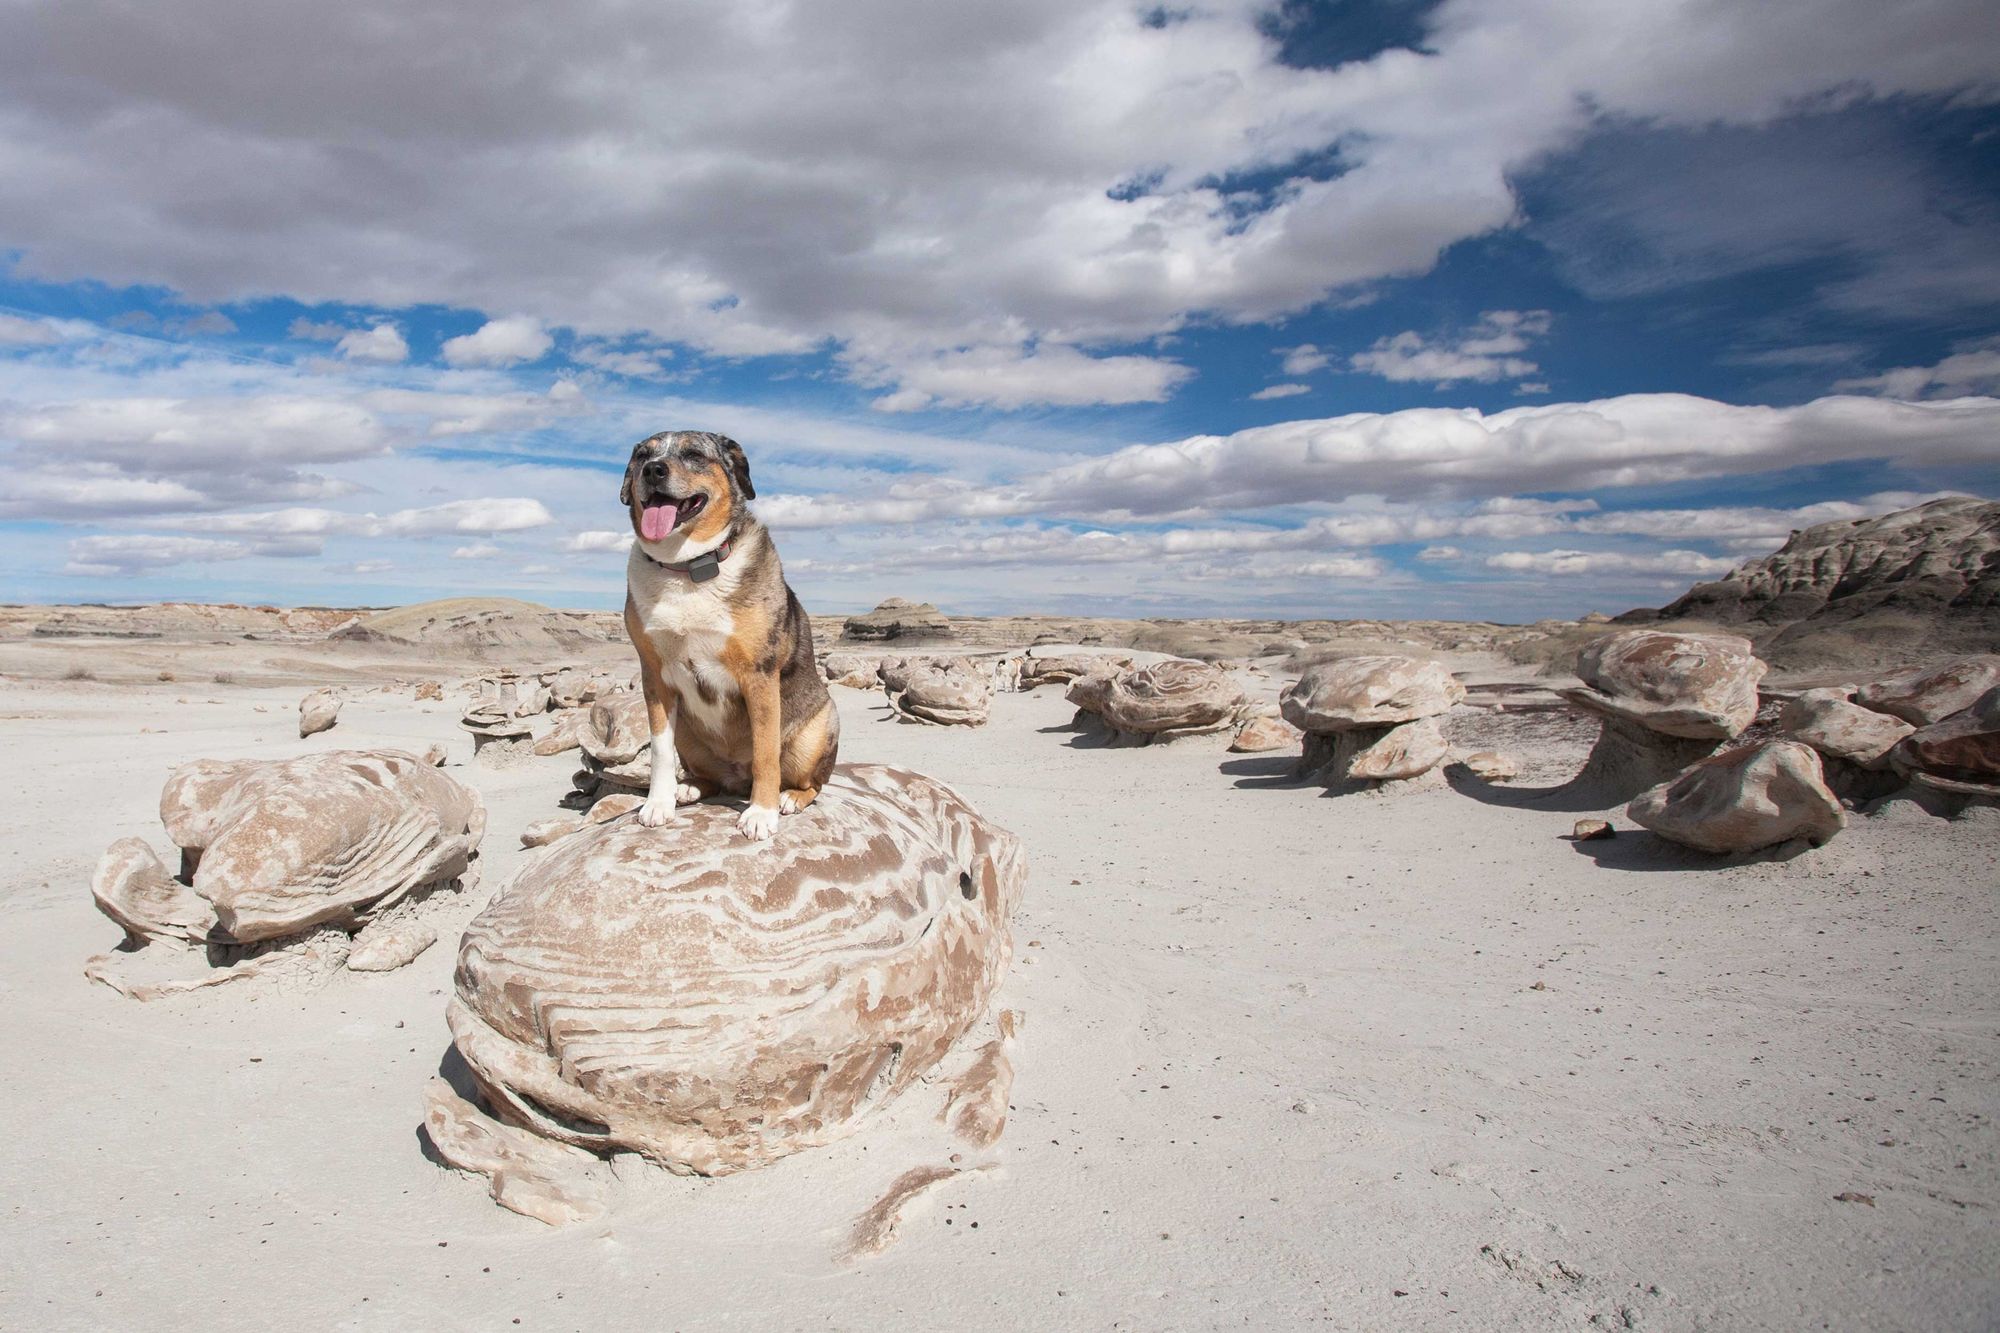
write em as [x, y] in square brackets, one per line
[1289, 1059]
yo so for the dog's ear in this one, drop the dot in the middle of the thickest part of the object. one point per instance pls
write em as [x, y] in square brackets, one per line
[632, 466]
[738, 465]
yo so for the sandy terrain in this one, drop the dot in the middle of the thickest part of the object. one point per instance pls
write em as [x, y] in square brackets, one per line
[1289, 1060]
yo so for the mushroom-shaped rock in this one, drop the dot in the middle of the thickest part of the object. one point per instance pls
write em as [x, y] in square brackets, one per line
[1925, 696]
[1744, 800]
[1351, 693]
[1840, 729]
[1167, 700]
[715, 1004]
[1261, 735]
[1369, 719]
[945, 693]
[896, 618]
[1665, 701]
[273, 850]
[496, 716]
[1964, 748]
[1695, 686]
[318, 711]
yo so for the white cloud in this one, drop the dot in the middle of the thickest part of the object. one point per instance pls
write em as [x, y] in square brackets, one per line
[141, 554]
[15, 331]
[313, 330]
[1969, 370]
[381, 343]
[370, 566]
[646, 364]
[783, 201]
[1304, 359]
[1280, 391]
[1012, 377]
[476, 551]
[1486, 354]
[598, 540]
[500, 342]
[1639, 439]
[1440, 554]
[1602, 562]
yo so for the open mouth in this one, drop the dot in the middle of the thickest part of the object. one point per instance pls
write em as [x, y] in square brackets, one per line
[659, 517]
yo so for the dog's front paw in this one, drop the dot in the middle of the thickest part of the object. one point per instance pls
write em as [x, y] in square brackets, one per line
[688, 794]
[758, 823]
[655, 813]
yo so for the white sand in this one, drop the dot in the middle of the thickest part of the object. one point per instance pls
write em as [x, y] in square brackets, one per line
[1284, 1064]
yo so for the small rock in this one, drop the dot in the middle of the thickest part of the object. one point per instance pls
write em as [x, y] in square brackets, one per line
[318, 711]
[389, 945]
[1593, 830]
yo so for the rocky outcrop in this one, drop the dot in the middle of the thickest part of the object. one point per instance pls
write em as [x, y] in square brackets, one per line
[1745, 800]
[1932, 694]
[1372, 719]
[1064, 668]
[1962, 750]
[857, 671]
[318, 712]
[943, 693]
[273, 850]
[1840, 729]
[897, 619]
[1863, 592]
[715, 1004]
[1165, 701]
[1666, 701]
[616, 739]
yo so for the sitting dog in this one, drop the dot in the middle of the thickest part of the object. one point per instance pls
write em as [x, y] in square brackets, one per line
[725, 649]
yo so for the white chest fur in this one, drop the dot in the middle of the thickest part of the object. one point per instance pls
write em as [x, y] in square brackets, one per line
[689, 623]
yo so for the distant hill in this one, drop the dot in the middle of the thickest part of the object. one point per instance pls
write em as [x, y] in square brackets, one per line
[484, 627]
[1866, 593]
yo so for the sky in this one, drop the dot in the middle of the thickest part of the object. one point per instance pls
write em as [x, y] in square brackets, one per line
[1481, 309]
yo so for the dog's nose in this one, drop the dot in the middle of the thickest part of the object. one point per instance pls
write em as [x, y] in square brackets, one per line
[655, 469]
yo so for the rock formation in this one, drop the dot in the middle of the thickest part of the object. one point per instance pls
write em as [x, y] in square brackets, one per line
[1959, 754]
[1371, 719]
[1064, 668]
[857, 671]
[1833, 724]
[1932, 694]
[897, 619]
[1260, 735]
[1665, 701]
[1863, 592]
[1744, 800]
[272, 850]
[617, 743]
[945, 693]
[1167, 700]
[318, 712]
[715, 1004]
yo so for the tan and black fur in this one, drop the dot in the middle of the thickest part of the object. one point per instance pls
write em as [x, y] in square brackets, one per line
[727, 663]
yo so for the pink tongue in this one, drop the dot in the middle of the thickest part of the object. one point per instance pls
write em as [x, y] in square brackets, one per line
[656, 521]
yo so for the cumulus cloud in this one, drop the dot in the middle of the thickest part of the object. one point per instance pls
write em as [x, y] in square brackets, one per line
[1008, 195]
[1304, 359]
[1973, 369]
[1486, 354]
[382, 343]
[1011, 377]
[476, 551]
[137, 555]
[1280, 391]
[500, 342]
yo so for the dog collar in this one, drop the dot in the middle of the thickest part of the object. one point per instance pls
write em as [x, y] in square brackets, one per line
[700, 569]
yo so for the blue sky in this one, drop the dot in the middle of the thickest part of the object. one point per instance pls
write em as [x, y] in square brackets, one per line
[1488, 310]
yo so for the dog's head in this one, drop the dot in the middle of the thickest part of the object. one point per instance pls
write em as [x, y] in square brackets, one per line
[686, 483]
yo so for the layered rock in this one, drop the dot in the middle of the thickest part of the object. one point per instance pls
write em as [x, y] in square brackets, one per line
[616, 739]
[857, 671]
[1861, 591]
[1167, 700]
[1665, 701]
[1064, 668]
[1961, 753]
[1745, 800]
[1372, 719]
[946, 693]
[896, 618]
[1261, 735]
[498, 716]
[715, 1004]
[1840, 729]
[1931, 694]
[273, 850]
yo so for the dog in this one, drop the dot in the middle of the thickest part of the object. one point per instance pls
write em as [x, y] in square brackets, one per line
[725, 649]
